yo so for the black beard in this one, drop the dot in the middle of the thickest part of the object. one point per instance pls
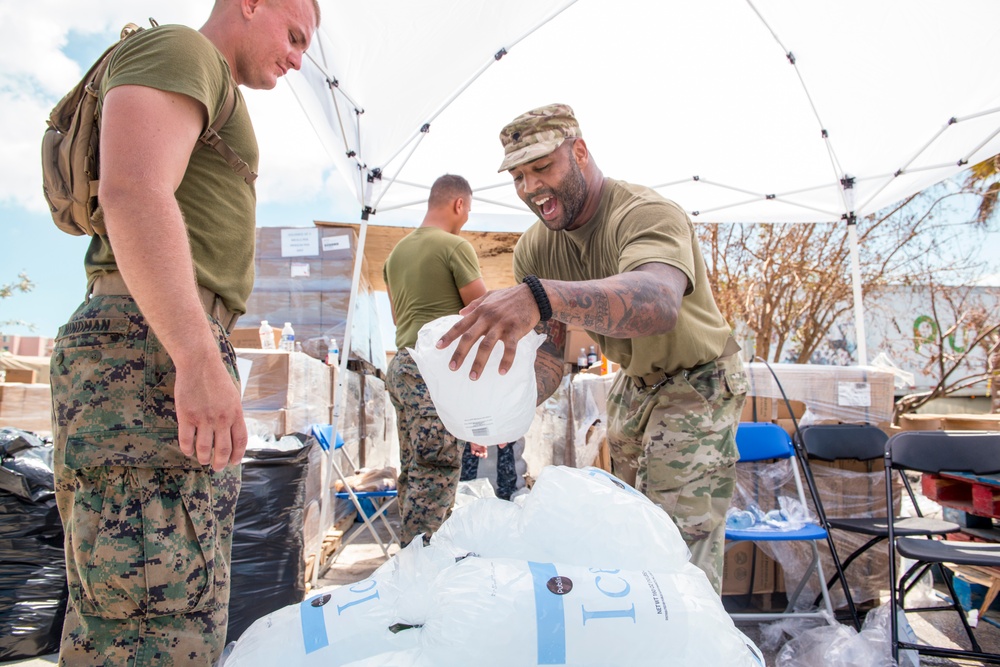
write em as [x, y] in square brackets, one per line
[571, 193]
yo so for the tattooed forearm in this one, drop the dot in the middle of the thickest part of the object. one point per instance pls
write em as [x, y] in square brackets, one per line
[548, 372]
[549, 361]
[643, 302]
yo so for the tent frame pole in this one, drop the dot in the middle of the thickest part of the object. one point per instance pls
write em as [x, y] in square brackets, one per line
[859, 309]
[326, 510]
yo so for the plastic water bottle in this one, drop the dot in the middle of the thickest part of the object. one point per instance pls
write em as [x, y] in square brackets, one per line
[266, 336]
[332, 353]
[737, 519]
[581, 361]
[288, 338]
[592, 356]
[776, 517]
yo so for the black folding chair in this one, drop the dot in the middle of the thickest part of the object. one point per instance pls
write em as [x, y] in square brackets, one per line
[938, 452]
[863, 442]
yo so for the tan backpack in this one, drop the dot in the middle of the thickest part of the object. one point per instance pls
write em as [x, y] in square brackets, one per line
[71, 144]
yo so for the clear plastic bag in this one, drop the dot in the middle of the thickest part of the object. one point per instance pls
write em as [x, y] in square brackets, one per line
[842, 645]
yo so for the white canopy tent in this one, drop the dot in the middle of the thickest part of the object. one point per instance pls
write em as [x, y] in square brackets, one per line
[739, 110]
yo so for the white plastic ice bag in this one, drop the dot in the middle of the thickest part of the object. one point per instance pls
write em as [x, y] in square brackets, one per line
[499, 613]
[492, 410]
[331, 627]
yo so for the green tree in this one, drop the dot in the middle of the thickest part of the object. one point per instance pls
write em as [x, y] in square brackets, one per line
[787, 285]
[983, 180]
[22, 284]
[979, 327]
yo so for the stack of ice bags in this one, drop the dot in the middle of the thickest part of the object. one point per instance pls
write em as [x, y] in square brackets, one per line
[586, 571]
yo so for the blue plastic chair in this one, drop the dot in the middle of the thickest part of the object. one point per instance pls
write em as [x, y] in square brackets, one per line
[371, 505]
[762, 442]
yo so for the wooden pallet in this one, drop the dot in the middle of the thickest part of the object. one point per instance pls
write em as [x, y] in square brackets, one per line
[331, 540]
[976, 494]
[983, 576]
[603, 460]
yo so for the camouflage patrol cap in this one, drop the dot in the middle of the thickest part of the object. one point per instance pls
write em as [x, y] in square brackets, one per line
[537, 133]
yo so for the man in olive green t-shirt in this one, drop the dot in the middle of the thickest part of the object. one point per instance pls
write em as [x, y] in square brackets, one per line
[148, 424]
[622, 262]
[431, 273]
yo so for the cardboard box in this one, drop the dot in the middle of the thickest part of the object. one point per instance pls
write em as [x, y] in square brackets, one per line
[788, 425]
[26, 406]
[747, 570]
[304, 277]
[789, 410]
[21, 375]
[311, 533]
[955, 422]
[758, 409]
[769, 409]
[281, 380]
[849, 394]
[249, 337]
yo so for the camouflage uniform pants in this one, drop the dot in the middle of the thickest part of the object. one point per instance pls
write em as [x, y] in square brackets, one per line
[148, 530]
[506, 481]
[676, 444]
[430, 458]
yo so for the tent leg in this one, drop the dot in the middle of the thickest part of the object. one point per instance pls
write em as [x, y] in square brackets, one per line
[859, 309]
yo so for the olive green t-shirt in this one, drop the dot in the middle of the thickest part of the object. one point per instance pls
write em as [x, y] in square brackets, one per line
[423, 274]
[218, 206]
[633, 226]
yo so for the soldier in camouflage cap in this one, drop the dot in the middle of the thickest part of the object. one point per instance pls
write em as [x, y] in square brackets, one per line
[624, 263]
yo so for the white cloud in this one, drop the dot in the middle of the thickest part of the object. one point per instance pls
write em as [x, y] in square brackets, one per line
[292, 161]
[22, 121]
[989, 280]
[35, 71]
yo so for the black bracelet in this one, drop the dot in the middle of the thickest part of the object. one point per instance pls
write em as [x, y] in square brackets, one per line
[541, 298]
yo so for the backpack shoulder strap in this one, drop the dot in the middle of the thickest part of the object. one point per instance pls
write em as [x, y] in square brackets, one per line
[211, 137]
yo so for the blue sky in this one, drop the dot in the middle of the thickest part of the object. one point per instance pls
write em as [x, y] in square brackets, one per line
[39, 61]
[41, 58]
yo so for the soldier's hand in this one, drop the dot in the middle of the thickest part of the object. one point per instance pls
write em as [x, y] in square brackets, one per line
[210, 415]
[479, 451]
[505, 316]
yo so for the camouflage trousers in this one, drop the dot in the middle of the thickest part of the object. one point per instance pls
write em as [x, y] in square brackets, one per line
[148, 530]
[430, 458]
[676, 443]
[506, 468]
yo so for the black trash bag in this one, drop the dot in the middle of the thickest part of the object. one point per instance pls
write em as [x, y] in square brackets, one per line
[33, 590]
[268, 567]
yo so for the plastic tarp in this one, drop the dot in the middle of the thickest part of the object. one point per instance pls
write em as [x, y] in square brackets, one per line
[268, 560]
[33, 591]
